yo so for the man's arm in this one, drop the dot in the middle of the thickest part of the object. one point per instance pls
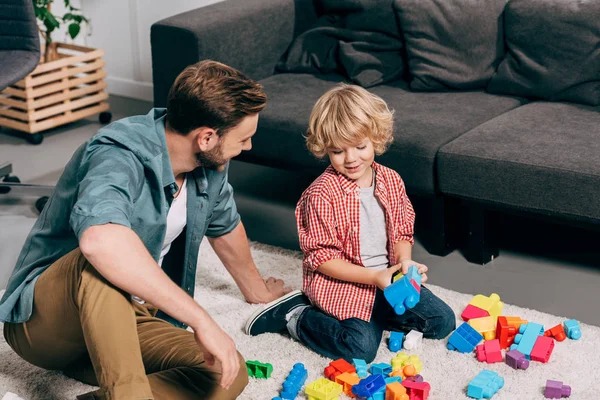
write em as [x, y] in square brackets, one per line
[234, 252]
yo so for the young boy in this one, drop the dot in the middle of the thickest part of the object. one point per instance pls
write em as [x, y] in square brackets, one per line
[355, 224]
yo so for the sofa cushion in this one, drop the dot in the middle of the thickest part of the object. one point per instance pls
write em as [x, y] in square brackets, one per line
[553, 51]
[451, 44]
[542, 156]
[424, 122]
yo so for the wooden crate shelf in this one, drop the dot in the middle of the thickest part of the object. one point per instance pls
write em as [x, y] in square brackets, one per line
[57, 92]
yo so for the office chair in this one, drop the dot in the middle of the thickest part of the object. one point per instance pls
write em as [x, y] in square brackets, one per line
[19, 55]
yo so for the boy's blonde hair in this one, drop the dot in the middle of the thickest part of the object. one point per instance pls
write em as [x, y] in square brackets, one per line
[345, 115]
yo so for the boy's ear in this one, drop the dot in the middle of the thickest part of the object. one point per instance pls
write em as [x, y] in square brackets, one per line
[205, 138]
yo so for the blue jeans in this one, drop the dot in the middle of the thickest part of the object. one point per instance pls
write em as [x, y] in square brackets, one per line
[355, 338]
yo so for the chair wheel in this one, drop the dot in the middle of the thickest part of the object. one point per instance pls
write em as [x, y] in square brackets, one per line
[41, 203]
[105, 117]
[8, 179]
[34, 138]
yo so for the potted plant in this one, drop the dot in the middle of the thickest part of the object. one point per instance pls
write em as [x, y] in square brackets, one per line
[67, 85]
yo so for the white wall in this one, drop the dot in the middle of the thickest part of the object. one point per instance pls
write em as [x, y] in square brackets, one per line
[122, 29]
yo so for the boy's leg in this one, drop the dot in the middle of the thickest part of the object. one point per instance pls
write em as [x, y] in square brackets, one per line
[431, 316]
[76, 312]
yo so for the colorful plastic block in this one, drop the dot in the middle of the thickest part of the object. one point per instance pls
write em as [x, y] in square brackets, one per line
[417, 390]
[485, 325]
[464, 339]
[361, 367]
[259, 370]
[369, 386]
[525, 339]
[542, 349]
[405, 292]
[489, 351]
[515, 359]
[413, 340]
[416, 378]
[557, 332]
[391, 379]
[505, 332]
[402, 360]
[347, 380]
[323, 389]
[381, 369]
[485, 385]
[516, 321]
[491, 304]
[395, 342]
[294, 382]
[556, 390]
[395, 391]
[572, 329]
[471, 312]
[337, 367]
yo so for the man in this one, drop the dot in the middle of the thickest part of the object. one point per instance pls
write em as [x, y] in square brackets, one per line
[119, 239]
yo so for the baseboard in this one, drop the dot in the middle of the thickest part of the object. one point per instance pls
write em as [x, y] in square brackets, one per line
[129, 88]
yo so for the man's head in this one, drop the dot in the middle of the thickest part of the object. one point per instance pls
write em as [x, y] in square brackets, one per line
[216, 107]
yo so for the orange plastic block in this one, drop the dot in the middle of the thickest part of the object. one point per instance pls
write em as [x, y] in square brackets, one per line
[473, 312]
[338, 367]
[491, 304]
[395, 391]
[516, 321]
[557, 332]
[489, 351]
[542, 349]
[347, 380]
[398, 372]
[485, 325]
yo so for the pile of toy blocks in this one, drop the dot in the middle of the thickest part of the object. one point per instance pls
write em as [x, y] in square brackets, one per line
[522, 341]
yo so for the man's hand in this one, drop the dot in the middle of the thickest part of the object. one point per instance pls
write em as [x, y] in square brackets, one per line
[218, 345]
[421, 269]
[275, 290]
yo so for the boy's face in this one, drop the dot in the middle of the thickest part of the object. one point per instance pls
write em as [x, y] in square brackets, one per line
[354, 161]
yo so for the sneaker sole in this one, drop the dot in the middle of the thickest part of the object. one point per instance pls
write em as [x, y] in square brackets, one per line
[267, 307]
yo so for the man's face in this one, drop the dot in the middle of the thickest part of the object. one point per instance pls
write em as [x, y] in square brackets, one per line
[231, 144]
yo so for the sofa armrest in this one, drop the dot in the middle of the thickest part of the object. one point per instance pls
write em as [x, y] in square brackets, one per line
[250, 35]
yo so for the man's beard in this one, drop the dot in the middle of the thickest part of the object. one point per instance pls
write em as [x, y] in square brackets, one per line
[212, 159]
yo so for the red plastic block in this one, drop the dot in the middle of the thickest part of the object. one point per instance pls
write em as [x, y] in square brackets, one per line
[489, 351]
[542, 349]
[473, 312]
[556, 332]
[505, 332]
[417, 390]
[338, 367]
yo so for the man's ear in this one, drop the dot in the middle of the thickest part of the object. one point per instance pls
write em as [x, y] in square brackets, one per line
[205, 138]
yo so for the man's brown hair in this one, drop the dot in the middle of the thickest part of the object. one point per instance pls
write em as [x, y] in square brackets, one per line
[214, 95]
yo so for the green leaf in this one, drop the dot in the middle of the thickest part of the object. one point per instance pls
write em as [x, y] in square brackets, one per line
[74, 30]
[50, 22]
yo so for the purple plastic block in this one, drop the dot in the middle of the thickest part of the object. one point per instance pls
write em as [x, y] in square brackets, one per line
[416, 378]
[556, 390]
[516, 360]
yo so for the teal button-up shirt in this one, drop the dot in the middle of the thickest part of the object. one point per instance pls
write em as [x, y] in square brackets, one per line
[123, 176]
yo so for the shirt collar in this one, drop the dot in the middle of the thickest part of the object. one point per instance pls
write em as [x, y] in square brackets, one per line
[348, 185]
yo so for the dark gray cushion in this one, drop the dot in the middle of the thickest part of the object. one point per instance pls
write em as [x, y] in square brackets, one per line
[553, 51]
[542, 156]
[424, 122]
[451, 44]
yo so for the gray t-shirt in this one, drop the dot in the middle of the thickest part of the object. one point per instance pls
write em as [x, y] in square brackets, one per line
[373, 232]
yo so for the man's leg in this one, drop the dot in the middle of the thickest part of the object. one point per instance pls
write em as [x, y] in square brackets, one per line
[431, 316]
[76, 312]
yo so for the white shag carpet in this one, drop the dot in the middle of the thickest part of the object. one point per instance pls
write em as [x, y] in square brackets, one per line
[576, 363]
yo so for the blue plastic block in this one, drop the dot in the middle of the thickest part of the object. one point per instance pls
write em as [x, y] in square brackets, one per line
[572, 329]
[361, 367]
[464, 339]
[378, 395]
[294, 382]
[381, 369]
[396, 339]
[369, 386]
[392, 379]
[402, 294]
[525, 339]
[485, 385]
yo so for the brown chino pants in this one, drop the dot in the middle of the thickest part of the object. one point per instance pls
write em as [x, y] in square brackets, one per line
[87, 328]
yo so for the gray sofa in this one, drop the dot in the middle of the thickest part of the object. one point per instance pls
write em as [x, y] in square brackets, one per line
[467, 140]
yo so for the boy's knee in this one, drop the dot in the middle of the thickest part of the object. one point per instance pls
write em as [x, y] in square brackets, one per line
[442, 326]
[363, 346]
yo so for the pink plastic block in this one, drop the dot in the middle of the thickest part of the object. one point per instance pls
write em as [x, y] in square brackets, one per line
[473, 312]
[542, 349]
[417, 390]
[489, 351]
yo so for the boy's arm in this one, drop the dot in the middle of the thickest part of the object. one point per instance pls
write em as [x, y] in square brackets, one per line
[345, 271]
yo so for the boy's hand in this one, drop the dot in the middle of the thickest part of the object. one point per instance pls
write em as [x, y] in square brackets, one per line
[383, 278]
[421, 269]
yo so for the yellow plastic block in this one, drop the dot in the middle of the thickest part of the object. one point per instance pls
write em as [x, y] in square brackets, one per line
[323, 389]
[491, 304]
[485, 325]
[401, 360]
[347, 380]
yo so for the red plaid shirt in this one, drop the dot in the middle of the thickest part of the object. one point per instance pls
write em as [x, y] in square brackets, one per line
[328, 218]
